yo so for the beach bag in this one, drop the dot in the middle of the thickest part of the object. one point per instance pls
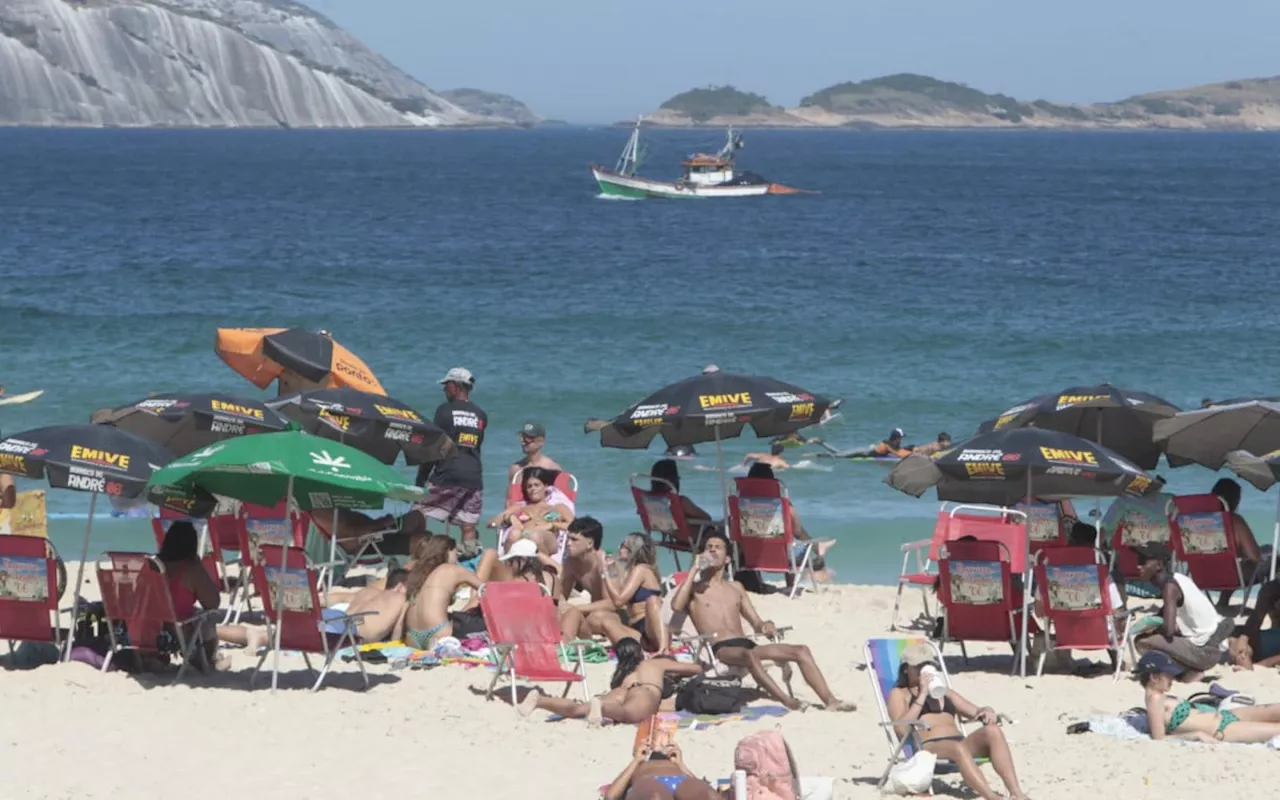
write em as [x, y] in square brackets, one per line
[702, 695]
[764, 758]
[913, 776]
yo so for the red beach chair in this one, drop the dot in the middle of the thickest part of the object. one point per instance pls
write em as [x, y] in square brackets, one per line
[1129, 535]
[289, 587]
[760, 527]
[29, 591]
[525, 633]
[1046, 527]
[978, 598]
[1203, 535]
[251, 526]
[662, 516]
[160, 526]
[1072, 585]
[140, 614]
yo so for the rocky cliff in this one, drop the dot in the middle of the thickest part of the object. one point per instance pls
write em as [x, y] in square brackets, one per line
[202, 63]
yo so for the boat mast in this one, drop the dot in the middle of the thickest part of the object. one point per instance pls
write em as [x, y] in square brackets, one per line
[731, 144]
[630, 158]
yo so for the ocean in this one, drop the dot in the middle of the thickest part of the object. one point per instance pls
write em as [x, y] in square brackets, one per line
[938, 278]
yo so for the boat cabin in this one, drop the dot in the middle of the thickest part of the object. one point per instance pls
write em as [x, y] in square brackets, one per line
[707, 170]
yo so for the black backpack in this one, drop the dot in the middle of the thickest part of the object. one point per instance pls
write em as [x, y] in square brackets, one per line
[703, 695]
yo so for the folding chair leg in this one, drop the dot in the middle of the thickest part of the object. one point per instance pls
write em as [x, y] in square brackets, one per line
[897, 604]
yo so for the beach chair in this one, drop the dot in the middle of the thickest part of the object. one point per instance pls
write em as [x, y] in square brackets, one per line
[760, 528]
[884, 660]
[1046, 527]
[1131, 532]
[296, 620]
[29, 591]
[920, 558]
[252, 526]
[211, 560]
[978, 599]
[662, 517]
[524, 633]
[140, 615]
[1203, 536]
[565, 481]
[1075, 601]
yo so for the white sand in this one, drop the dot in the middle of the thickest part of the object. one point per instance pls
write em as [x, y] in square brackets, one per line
[70, 731]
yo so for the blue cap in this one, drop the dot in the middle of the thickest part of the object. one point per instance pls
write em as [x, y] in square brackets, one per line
[1154, 661]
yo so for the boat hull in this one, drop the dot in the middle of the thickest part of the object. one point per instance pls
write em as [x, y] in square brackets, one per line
[630, 186]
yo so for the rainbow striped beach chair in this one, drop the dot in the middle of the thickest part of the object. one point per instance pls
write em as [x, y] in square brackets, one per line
[884, 658]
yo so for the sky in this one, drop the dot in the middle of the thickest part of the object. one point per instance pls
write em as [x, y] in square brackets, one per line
[603, 60]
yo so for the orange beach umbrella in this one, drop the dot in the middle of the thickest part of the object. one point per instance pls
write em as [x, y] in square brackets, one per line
[300, 359]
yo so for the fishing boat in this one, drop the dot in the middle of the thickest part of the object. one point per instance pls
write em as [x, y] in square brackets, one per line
[705, 175]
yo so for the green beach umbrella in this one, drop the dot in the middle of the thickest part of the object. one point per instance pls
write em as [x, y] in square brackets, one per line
[265, 468]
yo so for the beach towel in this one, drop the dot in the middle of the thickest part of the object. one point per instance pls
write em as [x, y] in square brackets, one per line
[1133, 724]
[698, 721]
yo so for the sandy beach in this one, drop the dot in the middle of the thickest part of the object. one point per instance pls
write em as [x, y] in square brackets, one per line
[71, 731]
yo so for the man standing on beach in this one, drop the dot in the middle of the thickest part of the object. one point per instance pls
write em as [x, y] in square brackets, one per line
[583, 565]
[717, 608]
[533, 437]
[457, 483]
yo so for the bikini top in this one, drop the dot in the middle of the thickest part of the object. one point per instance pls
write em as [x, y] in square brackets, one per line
[643, 594]
[932, 706]
[1183, 710]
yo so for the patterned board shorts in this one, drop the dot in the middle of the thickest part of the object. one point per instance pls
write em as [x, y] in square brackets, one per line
[452, 504]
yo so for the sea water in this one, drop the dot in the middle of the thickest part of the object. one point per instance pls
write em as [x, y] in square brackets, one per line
[937, 279]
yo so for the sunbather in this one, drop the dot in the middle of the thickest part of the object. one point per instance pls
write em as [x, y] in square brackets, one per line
[666, 472]
[429, 590]
[582, 567]
[659, 776]
[1168, 716]
[1252, 645]
[909, 701]
[352, 526]
[521, 561]
[1193, 632]
[388, 604]
[535, 517]
[640, 688]
[641, 592]
[718, 606]
[765, 472]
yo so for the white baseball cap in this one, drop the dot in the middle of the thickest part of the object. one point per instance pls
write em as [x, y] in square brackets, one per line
[522, 548]
[460, 375]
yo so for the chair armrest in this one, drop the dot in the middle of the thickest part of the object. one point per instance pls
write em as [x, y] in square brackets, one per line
[328, 564]
[914, 723]
[916, 545]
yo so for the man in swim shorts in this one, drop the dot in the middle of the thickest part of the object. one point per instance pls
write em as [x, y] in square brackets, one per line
[718, 606]
[456, 491]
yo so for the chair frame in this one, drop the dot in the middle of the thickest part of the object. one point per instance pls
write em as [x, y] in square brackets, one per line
[51, 604]
[1116, 642]
[505, 666]
[796, 568]
[674, 542]
[1019, 642]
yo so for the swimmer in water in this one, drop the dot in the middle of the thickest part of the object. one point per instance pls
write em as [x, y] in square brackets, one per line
[773, 458]
[944, 441]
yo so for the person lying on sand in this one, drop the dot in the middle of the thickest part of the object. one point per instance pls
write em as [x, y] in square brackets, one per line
[717, 608]
[909, 700]
[659, 776]
[429, 590]
[640, 688]
[1170, 717]
[1252, 646]
[583, 566]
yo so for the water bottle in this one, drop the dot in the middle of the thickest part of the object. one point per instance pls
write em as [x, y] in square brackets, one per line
[933, 682]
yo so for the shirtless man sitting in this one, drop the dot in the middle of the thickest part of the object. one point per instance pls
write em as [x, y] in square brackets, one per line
[582, 567]
[388, 605]
[429, 591]
[717, 608]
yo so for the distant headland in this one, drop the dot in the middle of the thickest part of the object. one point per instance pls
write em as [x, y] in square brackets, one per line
[918, 101]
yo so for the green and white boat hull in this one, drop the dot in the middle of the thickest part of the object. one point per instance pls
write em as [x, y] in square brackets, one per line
[614, 184]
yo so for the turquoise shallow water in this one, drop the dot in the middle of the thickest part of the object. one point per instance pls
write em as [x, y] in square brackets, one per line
[937, 279]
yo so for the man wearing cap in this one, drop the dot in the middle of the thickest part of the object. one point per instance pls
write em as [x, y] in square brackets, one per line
[457, 483]
[533, 437]
[1193, 631]
[892, 446]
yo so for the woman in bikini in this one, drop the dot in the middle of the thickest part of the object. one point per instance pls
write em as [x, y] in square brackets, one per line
[909, 701]
[1169, 717]
[429, 590]
[659, 775]
[640, 688]
[535, 517]
[641, 592]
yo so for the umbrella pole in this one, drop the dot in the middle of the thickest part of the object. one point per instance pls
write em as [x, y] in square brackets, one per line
[279, 598]
[1026, 584]
[1275, 540]
[333, 556]
[75, 596]
[724, 481]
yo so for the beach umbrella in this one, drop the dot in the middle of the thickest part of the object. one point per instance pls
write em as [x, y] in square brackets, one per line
[1005, 466]
[98, 459]
[1121, 419]
[712, 407]
[1207, 435]
[379, 425]
[300, 359]
[186, 422]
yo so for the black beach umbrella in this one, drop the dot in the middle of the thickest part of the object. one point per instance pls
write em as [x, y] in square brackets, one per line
[1004, 467]
[184, 422]
[1207, 435]
[98, 459]
[379, 425]
[1120, 419]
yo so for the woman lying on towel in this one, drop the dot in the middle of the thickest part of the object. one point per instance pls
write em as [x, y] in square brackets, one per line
[1168, 716]
[653, 775]
[640, 688]
[909, 700]
[536, 517]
